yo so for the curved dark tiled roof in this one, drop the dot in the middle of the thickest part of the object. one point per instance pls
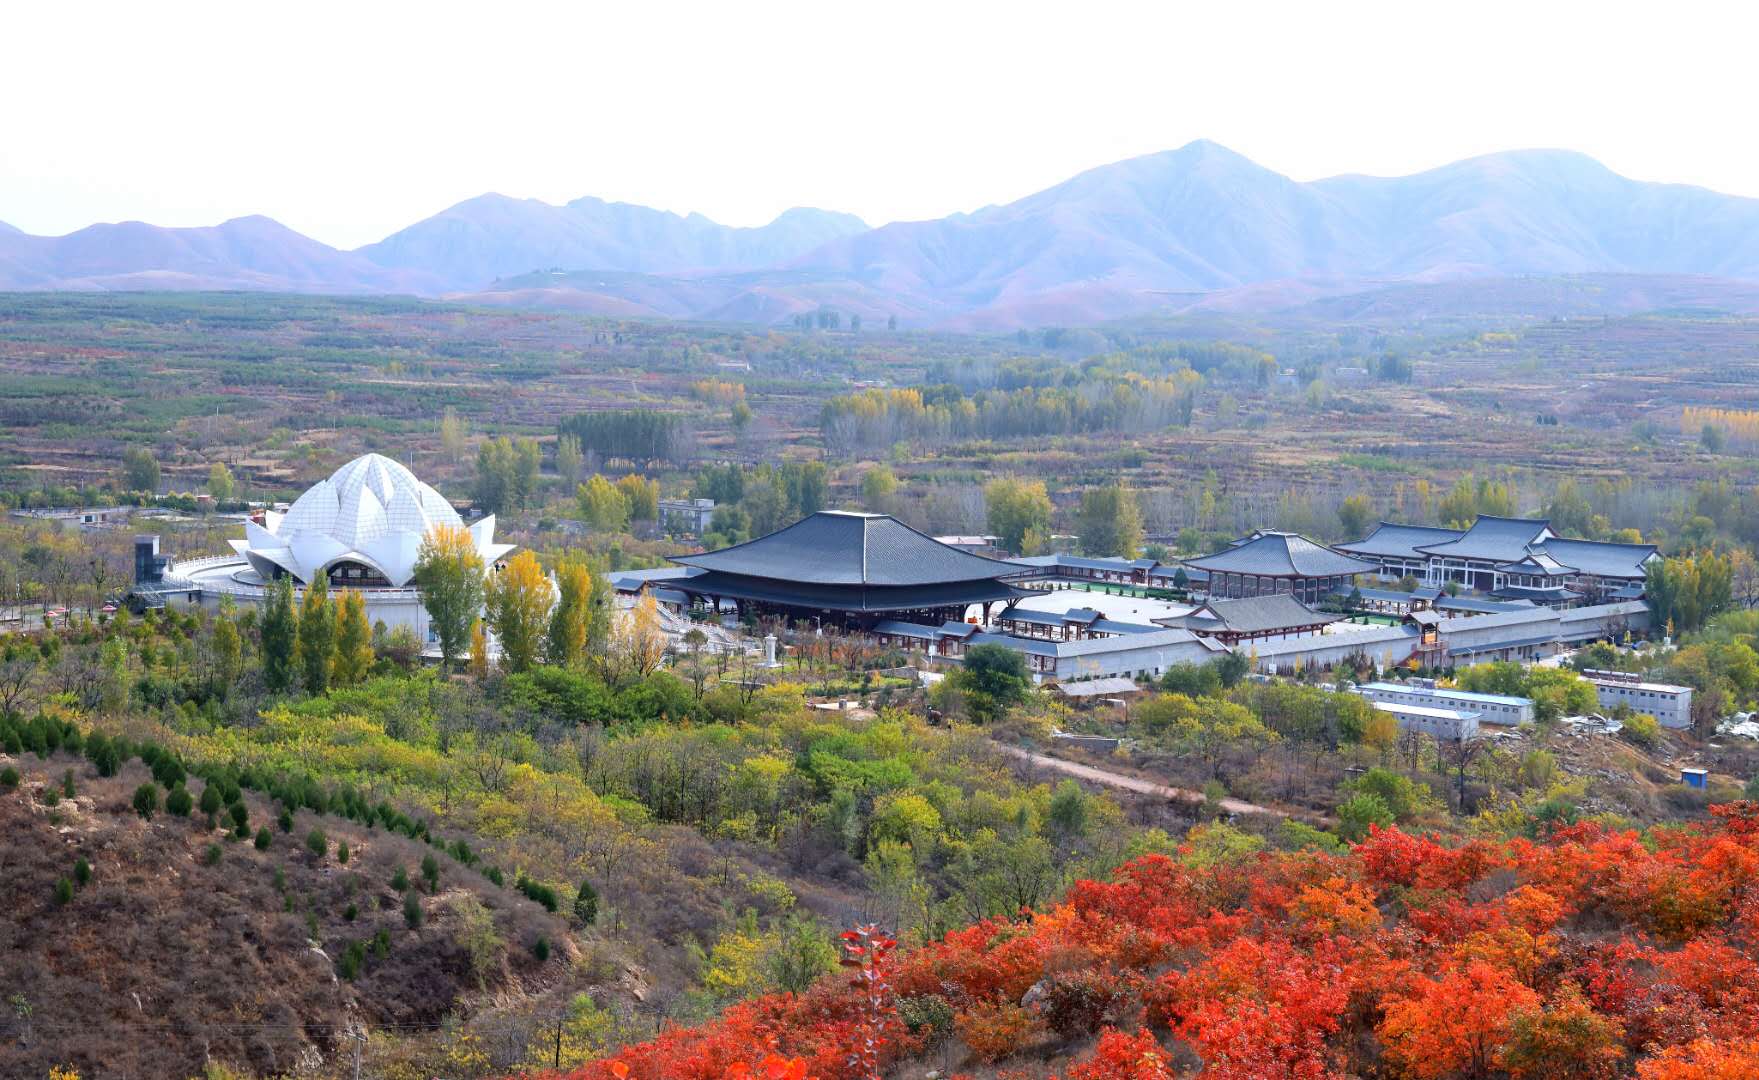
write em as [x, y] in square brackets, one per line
[1280, 554]
[1392, 538]
[1501, 538]
[1600, 558]
[1252, 615]
[836, 547]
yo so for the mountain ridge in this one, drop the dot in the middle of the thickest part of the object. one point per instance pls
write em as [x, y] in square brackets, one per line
[1144, 235]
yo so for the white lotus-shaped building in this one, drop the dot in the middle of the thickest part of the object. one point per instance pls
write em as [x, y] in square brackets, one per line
[363, 526]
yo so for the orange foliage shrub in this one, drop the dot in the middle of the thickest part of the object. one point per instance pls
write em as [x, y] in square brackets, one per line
[1588, 953]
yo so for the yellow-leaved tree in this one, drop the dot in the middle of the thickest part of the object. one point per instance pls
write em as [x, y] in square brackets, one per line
[354, 641]
[640, 643]
[580, 622]
[518, 602]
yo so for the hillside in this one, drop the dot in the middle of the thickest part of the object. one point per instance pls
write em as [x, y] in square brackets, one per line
[492, 236]
[164, 953]
[253, 253]
[1585, 953]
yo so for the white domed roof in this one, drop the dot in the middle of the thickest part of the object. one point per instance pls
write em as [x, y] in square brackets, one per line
[372, 511]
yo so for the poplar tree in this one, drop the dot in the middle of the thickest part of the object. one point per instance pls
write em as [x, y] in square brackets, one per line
[280, 628]
[565, 642]
[518, 601]
[449, 573]
[317, 636]
[354, 640]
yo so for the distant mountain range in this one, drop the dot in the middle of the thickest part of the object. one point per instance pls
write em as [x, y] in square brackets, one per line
[1200, 226]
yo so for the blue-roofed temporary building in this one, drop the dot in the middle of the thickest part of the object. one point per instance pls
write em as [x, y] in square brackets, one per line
[848, 569]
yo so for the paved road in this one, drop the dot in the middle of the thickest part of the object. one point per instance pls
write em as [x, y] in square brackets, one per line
[1131, 783]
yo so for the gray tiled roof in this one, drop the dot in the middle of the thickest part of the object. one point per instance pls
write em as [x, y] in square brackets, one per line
[1280, 554]
[1601, 559]
[1391, 538]
[1253, 615]
[836, 547]
[1501, 538]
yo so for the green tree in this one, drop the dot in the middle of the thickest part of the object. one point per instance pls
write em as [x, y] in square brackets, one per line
[412, 913]
[178, 801]
[602, 506]
[317, 843]
[220, 482]
[1360, 812]
[801, 954]
[641, 495]
[1014, 509]
[280, 630]
[1355, 515]
[146, 800]
[993, 678]
[449, 573]
[227, 650]
[316, 636]
[879, 489]
[140, 470]
[586, 904]
[1110, 522]
[570, 461]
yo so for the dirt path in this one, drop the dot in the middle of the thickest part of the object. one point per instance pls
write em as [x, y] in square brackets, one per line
[1132, 783]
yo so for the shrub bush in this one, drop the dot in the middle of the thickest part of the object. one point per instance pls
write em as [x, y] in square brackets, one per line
[993, 1030]
[82, 872]
[350, 912]
[264, 839]
[541, 949]
[67, 788]
[412, 909]
[212, 856]
[1641, 729]
[430, 872]
[1077, 1003]
[928, 1016]
[146, 799]
[586, 904]
[317, 843]
[210, 802]
[240, 814]
[342, 852]
[285, 821]
[63, 891]
[8, 778]
[400, 880]
[178, 801]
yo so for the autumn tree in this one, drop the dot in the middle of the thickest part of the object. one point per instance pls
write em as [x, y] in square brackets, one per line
[354, 640]
[602, 505]
[449, 573]
[1355, 515]
[641, 495]
[639, 644]
[517, 601]
[316, 638]
[1457, 1024]
[580, 620]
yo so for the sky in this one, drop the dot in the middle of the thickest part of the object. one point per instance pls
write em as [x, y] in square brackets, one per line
[350, 121]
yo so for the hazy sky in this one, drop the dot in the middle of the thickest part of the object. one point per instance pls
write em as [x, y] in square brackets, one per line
[348, 121]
